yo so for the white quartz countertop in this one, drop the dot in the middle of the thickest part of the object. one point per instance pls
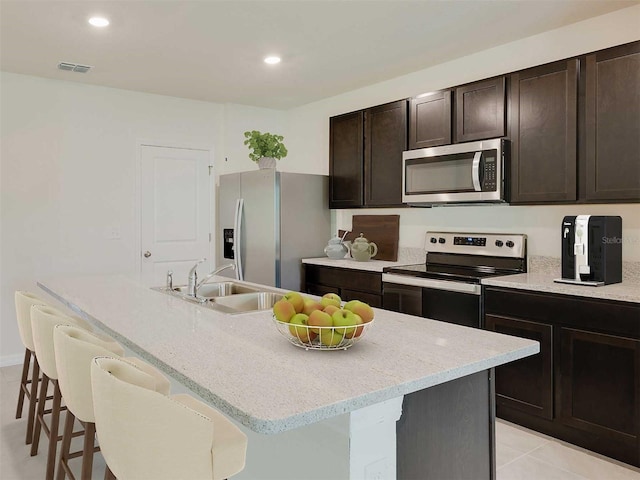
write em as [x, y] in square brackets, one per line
[372, 265]
[242, 365]
[627, 291]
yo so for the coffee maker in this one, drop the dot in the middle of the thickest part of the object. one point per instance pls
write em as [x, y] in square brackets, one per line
[591, 250]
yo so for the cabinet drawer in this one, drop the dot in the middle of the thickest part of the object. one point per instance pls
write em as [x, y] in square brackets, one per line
[344, 278]
[606, 316]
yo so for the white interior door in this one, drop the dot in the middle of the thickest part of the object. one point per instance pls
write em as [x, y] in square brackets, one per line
[176, 212]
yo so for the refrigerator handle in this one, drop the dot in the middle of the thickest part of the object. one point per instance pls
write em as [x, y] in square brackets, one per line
[237, 240]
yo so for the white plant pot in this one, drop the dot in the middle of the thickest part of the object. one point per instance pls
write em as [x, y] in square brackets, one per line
[267, 162]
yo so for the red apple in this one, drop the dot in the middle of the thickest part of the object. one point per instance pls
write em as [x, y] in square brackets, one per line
[318, 318]
[283, 310]
[362, 309]
[310, 306]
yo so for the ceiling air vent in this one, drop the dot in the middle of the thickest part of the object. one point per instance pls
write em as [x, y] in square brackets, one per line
[73, 67]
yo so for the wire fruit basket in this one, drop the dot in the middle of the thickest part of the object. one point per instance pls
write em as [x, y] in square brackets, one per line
[322, 338]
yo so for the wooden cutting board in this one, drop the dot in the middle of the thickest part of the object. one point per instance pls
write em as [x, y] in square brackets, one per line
[383, 230]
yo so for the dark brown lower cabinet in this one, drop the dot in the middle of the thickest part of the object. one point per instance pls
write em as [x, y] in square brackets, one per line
[600, 393]
[349, 284]
[526, 384]
[584, 385]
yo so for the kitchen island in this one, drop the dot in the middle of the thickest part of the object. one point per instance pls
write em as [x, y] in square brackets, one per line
[316, 414]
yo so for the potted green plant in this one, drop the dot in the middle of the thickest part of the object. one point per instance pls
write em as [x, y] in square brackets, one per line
[265, 148]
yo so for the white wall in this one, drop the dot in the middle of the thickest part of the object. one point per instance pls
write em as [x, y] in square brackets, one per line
[308, 134]
[68, 160]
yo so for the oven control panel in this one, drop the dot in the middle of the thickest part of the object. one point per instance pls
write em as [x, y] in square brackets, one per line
[492, 244]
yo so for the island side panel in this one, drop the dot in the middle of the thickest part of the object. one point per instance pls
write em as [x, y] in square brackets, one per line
[447, 431]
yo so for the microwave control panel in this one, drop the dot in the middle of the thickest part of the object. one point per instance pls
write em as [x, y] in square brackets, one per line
[489, 183]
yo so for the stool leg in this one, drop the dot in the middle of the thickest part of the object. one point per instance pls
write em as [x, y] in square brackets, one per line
[66, 445]
[33, 397]
[53, 430]
[23, 382]
[37, 427]
[108, 474]
[87, 450]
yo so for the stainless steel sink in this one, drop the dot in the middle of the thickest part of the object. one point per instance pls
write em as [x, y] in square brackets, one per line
[248, 302]
[221, 289]
[228, 297]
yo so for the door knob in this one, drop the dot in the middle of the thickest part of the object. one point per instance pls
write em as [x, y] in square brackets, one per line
[147, 254]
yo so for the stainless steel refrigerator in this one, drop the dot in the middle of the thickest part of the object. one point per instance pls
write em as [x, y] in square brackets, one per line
[268, 221]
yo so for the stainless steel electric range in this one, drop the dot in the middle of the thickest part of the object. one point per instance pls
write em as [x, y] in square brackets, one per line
[447, 286]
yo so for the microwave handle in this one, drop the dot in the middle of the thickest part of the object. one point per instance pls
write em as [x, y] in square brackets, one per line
[475, 172]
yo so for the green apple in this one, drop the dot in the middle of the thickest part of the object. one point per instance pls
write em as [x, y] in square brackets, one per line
[358, 330]
[350, 304]
[296, 299]
[362, 309]
[283, 310]
[310, 306]
[330, 299]
[299, 328]
[318, 318]
[345, 318]
[329, 337]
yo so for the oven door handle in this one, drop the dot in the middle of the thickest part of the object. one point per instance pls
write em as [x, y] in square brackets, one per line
[475, 171]
[448, 285]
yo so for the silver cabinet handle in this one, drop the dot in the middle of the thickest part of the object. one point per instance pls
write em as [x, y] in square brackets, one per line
[147, 254]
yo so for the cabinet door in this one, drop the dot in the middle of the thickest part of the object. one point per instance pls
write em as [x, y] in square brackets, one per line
[430, 120]
[385, 140]
[543, 131]
[346, 133]
[480, 110]
[612, 109]
[402, 298]
[526, 384]
[601, 389]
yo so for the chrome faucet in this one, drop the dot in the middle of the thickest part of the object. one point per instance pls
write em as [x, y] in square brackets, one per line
[192, 289]
[232, 266]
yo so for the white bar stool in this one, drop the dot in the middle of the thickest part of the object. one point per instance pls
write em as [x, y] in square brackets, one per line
[146, 435]
[24, 301]
[75, 348]
[43, 320]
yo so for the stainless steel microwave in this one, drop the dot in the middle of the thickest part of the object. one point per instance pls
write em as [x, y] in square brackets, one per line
[473, 172]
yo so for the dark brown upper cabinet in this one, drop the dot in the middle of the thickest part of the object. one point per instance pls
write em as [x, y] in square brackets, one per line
[384, 141]
[346, 160]
[612, 124]
[365, 156]
[480, 110]
[543, 131]
[430, 120]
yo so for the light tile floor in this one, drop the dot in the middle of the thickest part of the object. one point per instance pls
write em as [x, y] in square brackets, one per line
[521, 454]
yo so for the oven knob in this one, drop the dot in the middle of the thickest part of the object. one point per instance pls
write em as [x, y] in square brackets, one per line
[433, 240]
[510, 244]
[499, 243]
[441, 240]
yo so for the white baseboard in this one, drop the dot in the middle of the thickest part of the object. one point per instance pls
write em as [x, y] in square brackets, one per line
[8, 360]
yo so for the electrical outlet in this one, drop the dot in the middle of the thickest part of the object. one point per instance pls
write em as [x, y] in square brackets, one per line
[114, 233]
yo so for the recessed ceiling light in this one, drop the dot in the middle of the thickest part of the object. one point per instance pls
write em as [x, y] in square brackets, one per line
[98, 21]
[272, 60]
